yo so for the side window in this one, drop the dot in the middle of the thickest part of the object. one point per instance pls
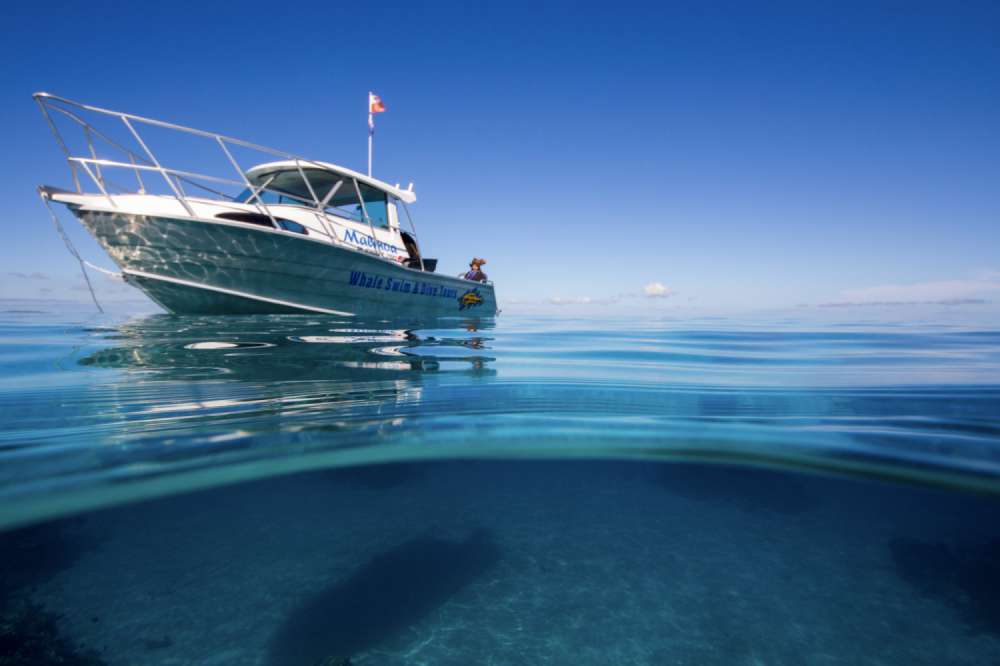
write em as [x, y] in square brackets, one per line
[345, 204]
[350, 209]
[375, 205]
[378, 212]
[265, 196]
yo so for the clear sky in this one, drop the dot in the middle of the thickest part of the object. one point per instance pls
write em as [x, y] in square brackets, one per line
[742, 156]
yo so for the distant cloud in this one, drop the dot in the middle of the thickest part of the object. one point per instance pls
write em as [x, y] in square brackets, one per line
[29, 276]
[657, 290]
[943, 301]
[945, 292]
[582, 300]
[651, 290]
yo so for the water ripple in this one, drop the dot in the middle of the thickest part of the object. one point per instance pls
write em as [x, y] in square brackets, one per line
[98, 414]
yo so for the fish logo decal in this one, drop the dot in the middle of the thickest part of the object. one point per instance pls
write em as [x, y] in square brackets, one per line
[470, 299]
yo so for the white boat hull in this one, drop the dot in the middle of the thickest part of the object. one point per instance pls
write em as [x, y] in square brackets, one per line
[192, 266]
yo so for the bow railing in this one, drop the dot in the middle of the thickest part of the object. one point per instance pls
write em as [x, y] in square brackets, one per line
[141, 160]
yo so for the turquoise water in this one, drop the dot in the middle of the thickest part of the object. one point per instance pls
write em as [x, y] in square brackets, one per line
[529, 490]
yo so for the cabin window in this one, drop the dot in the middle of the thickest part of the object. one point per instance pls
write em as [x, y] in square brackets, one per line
[345, 204]
[288, 225]
[287, 187]
[351, 210]
[268, 198]
[263, 220]
[378, 212]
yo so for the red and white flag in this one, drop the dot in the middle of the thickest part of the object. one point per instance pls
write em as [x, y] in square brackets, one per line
[375, 105]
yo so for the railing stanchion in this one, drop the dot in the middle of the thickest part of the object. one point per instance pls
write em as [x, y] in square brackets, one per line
[177, 180]
[413, 228]
[320, 217]
[364, 211]
[62, 144]
[100, 185]
[152, 157]
[138, 176]
[261, 206]
[93, 153]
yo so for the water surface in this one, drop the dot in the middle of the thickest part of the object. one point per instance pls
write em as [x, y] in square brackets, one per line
[288, 490]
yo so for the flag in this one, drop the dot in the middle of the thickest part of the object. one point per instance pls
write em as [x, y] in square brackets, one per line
[375, 105]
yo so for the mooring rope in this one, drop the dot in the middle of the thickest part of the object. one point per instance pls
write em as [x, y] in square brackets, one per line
[72, 249]
[118, 275]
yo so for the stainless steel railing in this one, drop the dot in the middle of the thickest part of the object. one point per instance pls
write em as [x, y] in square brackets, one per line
[146, 161]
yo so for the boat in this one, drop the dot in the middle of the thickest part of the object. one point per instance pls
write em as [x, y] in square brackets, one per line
[288, 235]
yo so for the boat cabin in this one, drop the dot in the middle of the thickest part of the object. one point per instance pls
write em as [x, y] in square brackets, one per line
[365, 203]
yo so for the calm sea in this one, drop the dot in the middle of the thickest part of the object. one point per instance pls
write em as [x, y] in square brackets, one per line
[306, 491]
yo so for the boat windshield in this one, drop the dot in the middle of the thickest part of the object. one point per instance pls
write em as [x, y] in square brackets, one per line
[287, 187]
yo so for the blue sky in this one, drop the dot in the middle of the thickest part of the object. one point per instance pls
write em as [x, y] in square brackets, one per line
[742, 156]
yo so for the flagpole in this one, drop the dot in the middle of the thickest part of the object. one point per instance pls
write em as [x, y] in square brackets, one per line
[371, 132]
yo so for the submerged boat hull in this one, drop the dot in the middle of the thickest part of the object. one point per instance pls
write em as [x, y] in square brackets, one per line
[191, 266]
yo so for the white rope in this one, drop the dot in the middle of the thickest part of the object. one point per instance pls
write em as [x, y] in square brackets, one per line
[112, 274]
[72, 250]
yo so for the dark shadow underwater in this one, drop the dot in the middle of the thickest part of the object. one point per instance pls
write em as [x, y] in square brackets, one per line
[393, 591]
[961, 574]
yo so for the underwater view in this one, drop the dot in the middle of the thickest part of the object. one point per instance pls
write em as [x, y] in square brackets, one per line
[323, 491]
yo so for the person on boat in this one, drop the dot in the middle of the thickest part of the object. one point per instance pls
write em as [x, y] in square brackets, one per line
[475, 272]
